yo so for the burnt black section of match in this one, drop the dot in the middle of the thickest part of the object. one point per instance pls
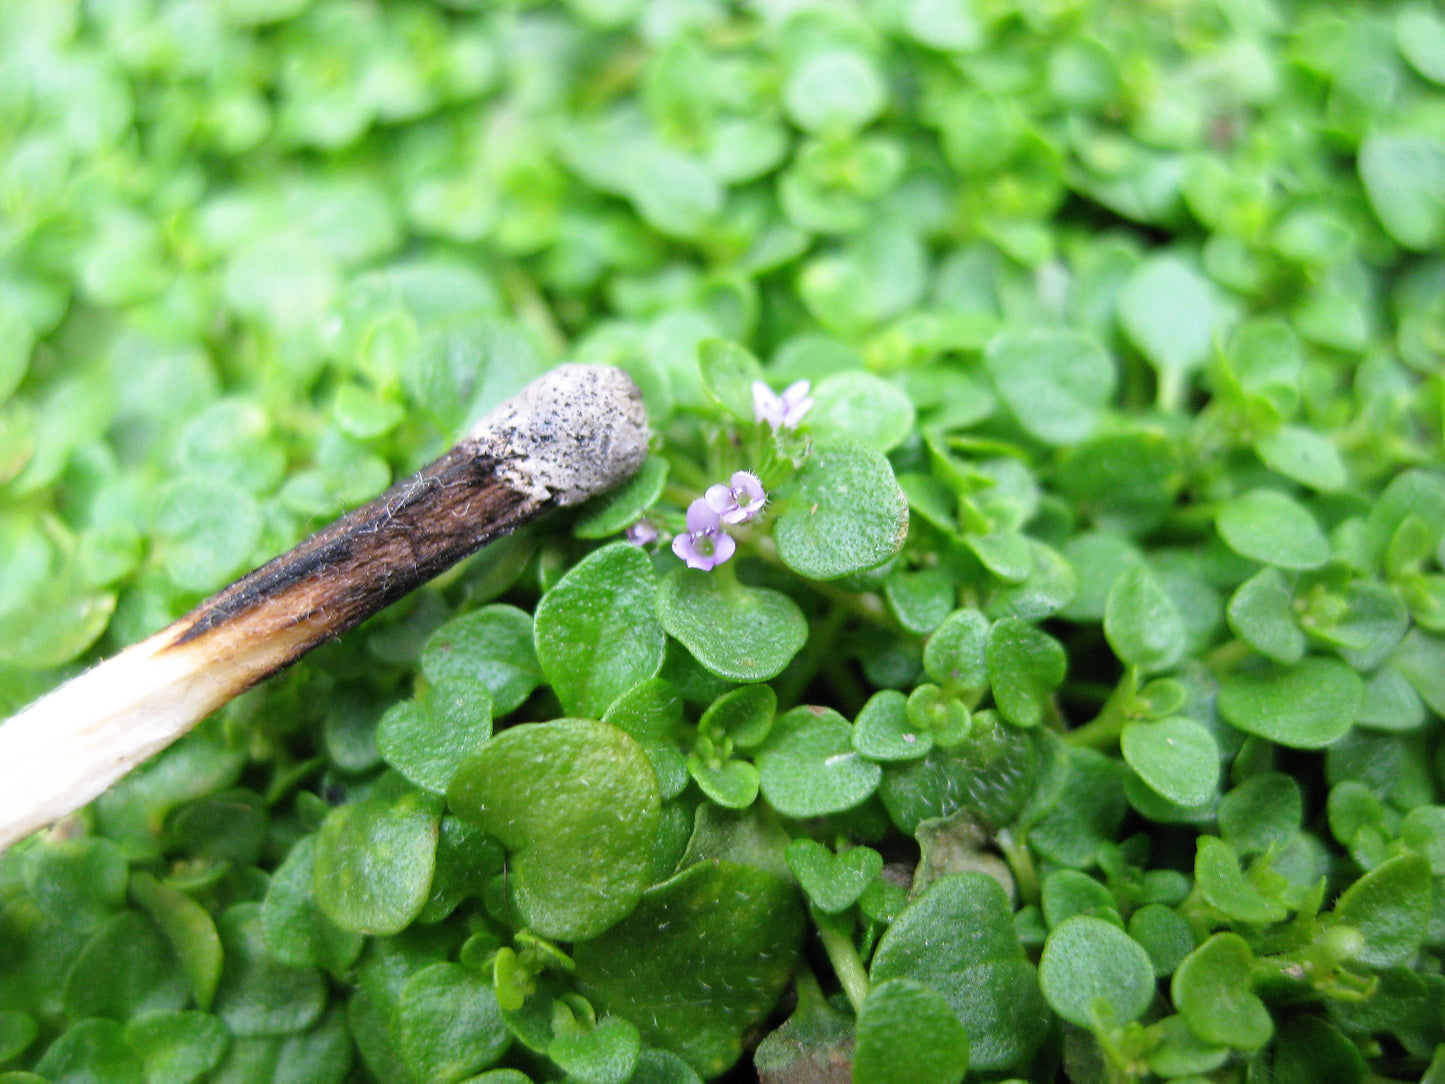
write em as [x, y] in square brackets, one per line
[372, 556]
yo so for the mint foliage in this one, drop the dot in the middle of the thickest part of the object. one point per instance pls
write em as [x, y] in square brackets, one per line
[1048, 402]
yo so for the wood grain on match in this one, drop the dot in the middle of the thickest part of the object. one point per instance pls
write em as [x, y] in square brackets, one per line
[573, 433]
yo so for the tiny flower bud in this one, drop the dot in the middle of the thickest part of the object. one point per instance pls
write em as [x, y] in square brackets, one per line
[641, 533]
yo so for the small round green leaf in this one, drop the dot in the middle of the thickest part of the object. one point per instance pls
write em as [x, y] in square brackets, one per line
[1307, 706]
[1177, 757]
[1087, 959]
[651, 711]
[597, 630]
[884, 732]
[842, 513]
[1212, 991]
[1273, 528]
[1069, 892]
[178, 1047]
[832, 881]
[701, 960]
[834, 91]
[296, 930]
[862, 406]
[1141, 622]
[990, 774]
[732, 784]
[955, 653]
[743, 715]
[18, 1030]
[740, 633]
[1307, 1048]
[576, 804]
[729, 371]
[189, 928]
[494, 645]
[1404, 178]
[426, 738]
[1025, 666]
[605, 1054]
[1225, 887]
[1168, 311]
[809, 768]
[447, 1023]
[1165, 935]
[1084, 811]
[907, 1034]
[921, 600]
[258, 994]
[1391, 906]
[1261, 613]
[624, 505]
[91, 1050]
[126, 967]
[1420, 35]
[1055, 382]
[983, 975]
[205, 530]
[1263, 811]
[374, 864]
[1304, 455]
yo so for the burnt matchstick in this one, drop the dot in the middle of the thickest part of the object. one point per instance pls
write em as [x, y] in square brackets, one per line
[573, 433]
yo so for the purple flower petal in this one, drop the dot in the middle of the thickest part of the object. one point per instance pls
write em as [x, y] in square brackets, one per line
[796, 403]
[768, 406]
[683, 547]
[747, 488]
[723, 548]
[721, 500]
[701, 517]
[781, 411]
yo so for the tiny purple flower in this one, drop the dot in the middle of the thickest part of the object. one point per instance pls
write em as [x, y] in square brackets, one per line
[740, 500]
[706, 545]
[781, 411]
[641, 533]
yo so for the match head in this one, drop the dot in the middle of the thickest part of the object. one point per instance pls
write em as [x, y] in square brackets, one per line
[570, 434]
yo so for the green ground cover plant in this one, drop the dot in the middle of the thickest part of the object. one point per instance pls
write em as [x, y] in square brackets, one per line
[1022, 656]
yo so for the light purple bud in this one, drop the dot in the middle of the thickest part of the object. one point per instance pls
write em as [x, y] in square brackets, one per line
[641, 533]
[767, 405]
[781, 411]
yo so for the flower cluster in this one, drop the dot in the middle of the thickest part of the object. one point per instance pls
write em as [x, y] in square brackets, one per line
[706, 544]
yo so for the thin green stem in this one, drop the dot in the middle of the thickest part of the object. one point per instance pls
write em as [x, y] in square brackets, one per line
[796, 679]
[850, 694]
[532, 309]
[1227, 656]
[865, 605]
[1021, 863]
[847, 964]
[1102, 732]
